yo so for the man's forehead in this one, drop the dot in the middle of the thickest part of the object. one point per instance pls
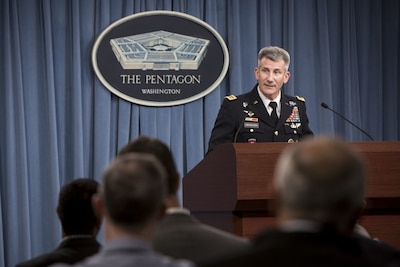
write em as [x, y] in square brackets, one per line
[278, 63]
[271, 67]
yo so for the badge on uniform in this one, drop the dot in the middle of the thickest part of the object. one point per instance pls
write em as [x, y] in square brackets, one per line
[251, 125]
[295, 125]
[294, 116]
[294, 119]
[253, 119]
[249, 113]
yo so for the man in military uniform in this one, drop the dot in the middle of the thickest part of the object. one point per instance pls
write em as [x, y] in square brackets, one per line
[264, 114]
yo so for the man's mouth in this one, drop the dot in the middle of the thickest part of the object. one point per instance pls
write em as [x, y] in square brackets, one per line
[269, 85]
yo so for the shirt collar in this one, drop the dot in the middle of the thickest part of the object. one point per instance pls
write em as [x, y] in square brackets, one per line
[76, 237]
[300, 225]
[266, 101]
[175, 210]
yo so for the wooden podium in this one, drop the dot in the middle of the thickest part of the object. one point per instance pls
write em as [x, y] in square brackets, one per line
[231, 188]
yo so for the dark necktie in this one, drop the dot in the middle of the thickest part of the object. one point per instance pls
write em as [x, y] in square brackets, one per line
[274, 115]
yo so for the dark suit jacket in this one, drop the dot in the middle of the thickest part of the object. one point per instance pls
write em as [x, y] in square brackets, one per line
[70, 251]
[247, 116]
[183, 237]
[324, 249]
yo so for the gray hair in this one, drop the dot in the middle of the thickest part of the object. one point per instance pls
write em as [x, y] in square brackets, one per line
[274, 53]
[322, 180]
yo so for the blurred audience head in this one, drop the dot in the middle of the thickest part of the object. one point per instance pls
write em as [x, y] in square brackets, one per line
[323, 180]
[75, 209]
[156, 147]
[132, 191]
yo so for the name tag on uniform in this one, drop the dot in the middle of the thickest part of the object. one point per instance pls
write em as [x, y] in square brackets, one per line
[251, 119]
[251, 125]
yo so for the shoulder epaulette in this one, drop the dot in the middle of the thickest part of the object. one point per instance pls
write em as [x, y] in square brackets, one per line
[231, 97]
[300, 98]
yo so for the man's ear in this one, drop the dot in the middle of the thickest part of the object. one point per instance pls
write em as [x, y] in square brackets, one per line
[287, 76]
[98, 206]
[361, 208]
[163, 210]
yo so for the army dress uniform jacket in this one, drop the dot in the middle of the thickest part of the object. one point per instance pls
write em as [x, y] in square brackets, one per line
[245, 119]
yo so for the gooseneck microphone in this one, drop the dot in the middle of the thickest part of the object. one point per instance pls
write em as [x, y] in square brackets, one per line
[238, 130]
[343, 117]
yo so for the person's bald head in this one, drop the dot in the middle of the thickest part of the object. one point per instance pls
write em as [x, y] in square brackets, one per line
[321, 179]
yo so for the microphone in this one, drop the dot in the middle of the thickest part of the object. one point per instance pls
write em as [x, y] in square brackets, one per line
[247, 111]
[343, 117]
[238, 130]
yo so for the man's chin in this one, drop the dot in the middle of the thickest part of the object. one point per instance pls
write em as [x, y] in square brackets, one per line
[269, 92]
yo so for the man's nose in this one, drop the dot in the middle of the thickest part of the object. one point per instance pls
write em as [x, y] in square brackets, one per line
[269, 77]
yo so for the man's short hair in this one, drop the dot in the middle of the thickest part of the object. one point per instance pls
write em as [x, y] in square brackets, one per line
[321, 179]
[274, 53]
[75, 209]
[133, 190]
